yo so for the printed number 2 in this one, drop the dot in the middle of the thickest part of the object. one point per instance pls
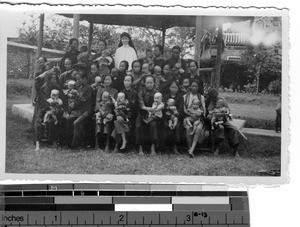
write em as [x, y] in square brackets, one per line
[188, 218]
[121, 218]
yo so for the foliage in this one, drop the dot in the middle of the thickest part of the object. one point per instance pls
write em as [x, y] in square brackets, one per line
[263, 64]
[275, 87]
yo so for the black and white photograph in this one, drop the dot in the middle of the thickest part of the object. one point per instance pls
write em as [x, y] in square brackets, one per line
[161, 92]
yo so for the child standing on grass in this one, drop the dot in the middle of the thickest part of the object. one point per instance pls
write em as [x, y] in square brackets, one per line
[55, 107]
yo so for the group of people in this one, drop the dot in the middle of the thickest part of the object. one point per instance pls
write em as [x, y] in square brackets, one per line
[93, 98]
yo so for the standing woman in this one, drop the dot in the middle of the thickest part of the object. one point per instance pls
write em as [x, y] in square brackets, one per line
[102, 45]
[71, 54]
[125, 51]
[194, 74]
[109, 126]
[173, 135]
[188, 98]
[158, 56]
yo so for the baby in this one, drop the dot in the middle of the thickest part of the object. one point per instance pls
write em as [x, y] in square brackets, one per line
[157, 108]
[71, 94]
[172, 113]
[55, 107]
[121, 109]
[121, 106]
[194, 121]
[219, 114]
[105, 112]
[97, 83]
[105, 55]
[185, 87]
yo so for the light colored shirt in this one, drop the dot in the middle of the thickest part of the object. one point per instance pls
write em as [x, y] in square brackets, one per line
[126, 53]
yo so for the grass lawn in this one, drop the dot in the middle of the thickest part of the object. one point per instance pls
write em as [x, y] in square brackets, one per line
[258, 153]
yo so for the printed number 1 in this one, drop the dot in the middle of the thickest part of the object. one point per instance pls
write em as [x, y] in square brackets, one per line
[188, 218]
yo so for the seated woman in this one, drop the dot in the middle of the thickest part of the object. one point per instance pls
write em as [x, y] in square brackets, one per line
[224, 130]
[122, 126]
[107, 128]
[197, 136]
[81, 112]
[146, 99]
[172, 132]
[44, 84]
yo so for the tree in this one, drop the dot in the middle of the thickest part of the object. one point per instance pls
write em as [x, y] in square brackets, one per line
[263, 64]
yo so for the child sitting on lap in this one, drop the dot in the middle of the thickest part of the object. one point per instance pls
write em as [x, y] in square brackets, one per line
[71, 94]
[105, 113]
[157, 108]
[219, 114]
[172, 113]
[55, 107]
[97, 83]
[194, 121]
[121, 109]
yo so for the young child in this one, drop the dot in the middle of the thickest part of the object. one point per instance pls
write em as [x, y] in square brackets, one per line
[121, 109]
[105, 55]
[83, 49]
[121, 106]
[105, 113]
[114, 73]
[219, 114]
[157, 108]
[71, 94]
[177, 71]
[55, 107]
[194, 121]
[185, 87]
[171, 113]
[97, 84]
[278, 116]
[158, 77]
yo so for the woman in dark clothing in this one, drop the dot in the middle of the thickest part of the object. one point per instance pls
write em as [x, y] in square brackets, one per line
[146, 99]
[158, 58]
[120, 125]
[194, 74]
[44, 84]
[226, 129]
[173, 135]
[118, 83]
[108, 128]
[71, 54]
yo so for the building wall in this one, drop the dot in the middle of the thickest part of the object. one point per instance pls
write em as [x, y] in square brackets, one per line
[228, 52]
[20, 61]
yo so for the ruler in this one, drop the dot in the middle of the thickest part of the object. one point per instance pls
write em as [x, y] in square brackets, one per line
[122, 205]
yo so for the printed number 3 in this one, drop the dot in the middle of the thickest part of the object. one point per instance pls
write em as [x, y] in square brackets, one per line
[188, 218]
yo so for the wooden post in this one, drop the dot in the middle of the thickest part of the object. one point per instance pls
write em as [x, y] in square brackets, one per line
[217, 76]
[76, 18]
[163, 38]
[198, 37]
[38, 53]
[91, 30]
